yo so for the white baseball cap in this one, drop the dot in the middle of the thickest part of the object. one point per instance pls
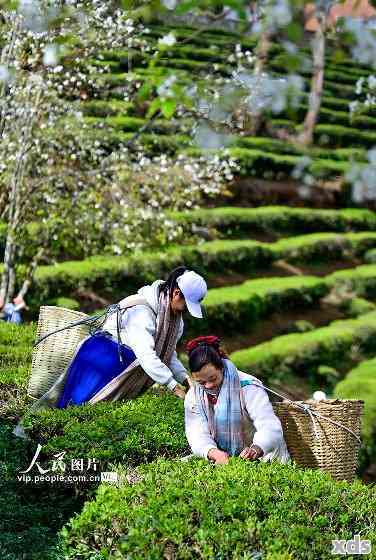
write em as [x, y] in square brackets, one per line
[194, 289]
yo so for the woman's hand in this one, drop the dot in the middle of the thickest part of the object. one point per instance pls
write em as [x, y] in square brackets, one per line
[220, 457]
[179, 392]
[252, 453]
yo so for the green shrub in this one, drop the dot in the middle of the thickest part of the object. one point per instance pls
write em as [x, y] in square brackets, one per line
[114, 137]
[192, 65]
[15, 360]
[106, 108]
[357, 306]
[198, 54]
[338, 104]
[68, 303]
[107, 65]
[302, 354]
[237, 309]
[340, 154]
[263, 164]
[343, 118]
[326, 168]
[130, 432]
[345, 91]
[303, 326]
[121, 276]
[31, 515]
[243, 222]
[122, 58]
[330, 374]
[361, 280]
[267, 144]
[124, 275]
[241, 510]
[323, 246]
[128, 124]
[15, 349]
[336, 135]
[370, 256]
[360, 383]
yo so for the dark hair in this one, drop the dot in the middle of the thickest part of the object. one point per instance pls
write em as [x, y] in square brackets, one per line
[171, 283]
[203, 355]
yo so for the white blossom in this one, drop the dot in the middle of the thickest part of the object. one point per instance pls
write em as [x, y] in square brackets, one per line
[169, 4]
[4, 73]
[168, 40]
[50, 56]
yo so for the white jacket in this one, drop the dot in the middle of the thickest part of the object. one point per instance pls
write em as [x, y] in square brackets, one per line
[137, 331]
[261, 421]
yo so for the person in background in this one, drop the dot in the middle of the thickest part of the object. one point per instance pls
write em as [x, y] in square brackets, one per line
[226, 414]
[11, 312]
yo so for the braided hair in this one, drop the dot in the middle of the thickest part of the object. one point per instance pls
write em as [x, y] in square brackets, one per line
[205, 350]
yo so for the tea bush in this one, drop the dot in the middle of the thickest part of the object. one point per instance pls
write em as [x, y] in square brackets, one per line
[240, 510]
[239, 222]
[130, 432]
[360, 383]
[357, 306]
[31, 515]
[339, 345]
[361, 280]
[238, 308]
[370, 256]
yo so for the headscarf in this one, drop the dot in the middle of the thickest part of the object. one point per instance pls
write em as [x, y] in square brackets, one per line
[213, 341]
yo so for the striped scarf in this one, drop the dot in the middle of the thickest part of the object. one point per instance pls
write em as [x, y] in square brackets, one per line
[226, 421]
[133, 381]
[168, 324]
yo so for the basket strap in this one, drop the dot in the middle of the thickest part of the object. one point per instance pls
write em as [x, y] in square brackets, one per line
[126, 303]
[85, 321]
[311, 412]
[95, 323]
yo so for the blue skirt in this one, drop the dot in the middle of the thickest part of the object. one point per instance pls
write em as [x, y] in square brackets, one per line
[93, 367]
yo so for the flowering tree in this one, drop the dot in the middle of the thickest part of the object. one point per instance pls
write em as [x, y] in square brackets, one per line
[60, 186]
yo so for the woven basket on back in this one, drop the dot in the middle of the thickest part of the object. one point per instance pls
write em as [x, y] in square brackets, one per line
[335, 450]
[52, 356]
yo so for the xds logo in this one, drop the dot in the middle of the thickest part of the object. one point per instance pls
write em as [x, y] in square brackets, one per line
[352, 546]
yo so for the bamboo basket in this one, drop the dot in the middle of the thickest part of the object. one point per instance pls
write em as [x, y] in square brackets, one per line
[335, 450]
[52, 356]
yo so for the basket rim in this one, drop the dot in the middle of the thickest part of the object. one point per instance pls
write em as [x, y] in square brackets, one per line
[55, 307]
[329, 402]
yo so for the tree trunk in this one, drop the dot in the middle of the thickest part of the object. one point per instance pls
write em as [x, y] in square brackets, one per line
[262, 51]
[317, 82]
[29, 277]
[8, 278]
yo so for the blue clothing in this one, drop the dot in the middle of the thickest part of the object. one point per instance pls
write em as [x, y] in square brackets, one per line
[11, 315]
[95, 364]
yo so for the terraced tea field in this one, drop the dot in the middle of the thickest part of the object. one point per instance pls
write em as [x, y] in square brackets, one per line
[298, 311]
[292, 294]
[339, 139]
